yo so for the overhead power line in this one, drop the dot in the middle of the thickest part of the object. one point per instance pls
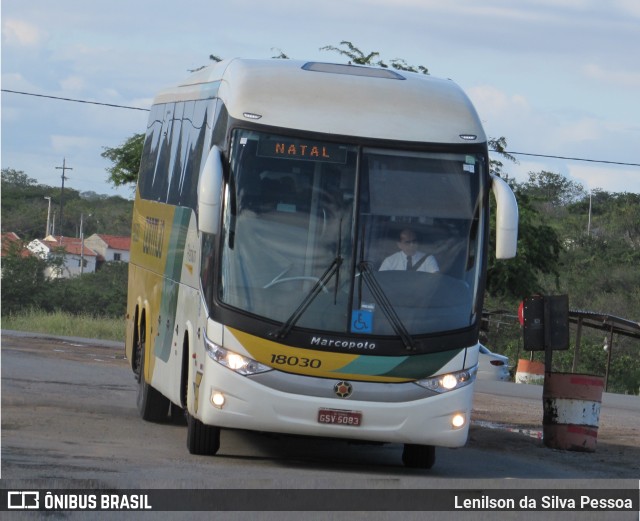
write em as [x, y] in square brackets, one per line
[570, 158]
[620, 163]
[74, 100]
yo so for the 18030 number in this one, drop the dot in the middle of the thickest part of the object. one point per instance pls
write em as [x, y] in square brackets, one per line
[314, 363]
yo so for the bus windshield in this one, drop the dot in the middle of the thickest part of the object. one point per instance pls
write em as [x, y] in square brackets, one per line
[351, 240]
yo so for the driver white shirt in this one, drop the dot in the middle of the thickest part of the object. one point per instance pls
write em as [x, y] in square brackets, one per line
[398, 261]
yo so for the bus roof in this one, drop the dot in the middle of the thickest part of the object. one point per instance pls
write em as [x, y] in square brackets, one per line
[337, 99]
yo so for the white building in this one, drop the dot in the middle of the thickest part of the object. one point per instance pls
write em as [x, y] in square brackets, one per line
[76, 260]
[109, 247]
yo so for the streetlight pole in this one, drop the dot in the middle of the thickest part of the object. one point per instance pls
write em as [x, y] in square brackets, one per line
[48, 217]
[81, 244]
[589, 223]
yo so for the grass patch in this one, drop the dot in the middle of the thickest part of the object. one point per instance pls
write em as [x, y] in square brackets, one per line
[66, 324]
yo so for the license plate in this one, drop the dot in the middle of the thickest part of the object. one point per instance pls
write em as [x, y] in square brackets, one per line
[340, 417]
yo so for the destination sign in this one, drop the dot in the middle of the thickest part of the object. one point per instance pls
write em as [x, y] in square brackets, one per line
[305, 150]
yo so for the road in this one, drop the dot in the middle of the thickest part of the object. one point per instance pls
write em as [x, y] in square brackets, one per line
[69, 418]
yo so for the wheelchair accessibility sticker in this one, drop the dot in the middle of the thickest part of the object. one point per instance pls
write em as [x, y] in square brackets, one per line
[361, 321]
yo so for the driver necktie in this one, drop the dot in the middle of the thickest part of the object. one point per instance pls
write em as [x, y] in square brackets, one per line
[409, 262]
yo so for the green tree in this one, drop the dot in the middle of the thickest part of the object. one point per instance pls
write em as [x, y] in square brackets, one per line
[358, 57]
[552, 190]
[25, 286]
[354, 54]
[499, 145]
[16, 178]
[103, 293]
[24, 208]
[539, 245]
[538, 254]
[625, 219]
[125, 159]
[23, 279]
[280, 56]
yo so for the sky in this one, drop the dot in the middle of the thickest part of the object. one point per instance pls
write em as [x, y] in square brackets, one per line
[554, 77]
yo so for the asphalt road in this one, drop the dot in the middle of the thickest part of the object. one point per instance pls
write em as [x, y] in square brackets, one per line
[69, 419]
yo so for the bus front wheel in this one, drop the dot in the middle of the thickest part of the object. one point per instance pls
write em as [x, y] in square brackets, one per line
[203, 440]
[418, 456]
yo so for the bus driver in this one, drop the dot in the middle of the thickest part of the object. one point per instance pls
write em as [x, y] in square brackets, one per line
[409, 258]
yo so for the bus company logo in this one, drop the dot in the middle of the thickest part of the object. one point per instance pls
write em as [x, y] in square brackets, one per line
[343, 343]
[153, 238]
[23, 500]
[343, 389]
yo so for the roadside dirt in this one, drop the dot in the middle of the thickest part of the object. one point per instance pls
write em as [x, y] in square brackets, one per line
[503, 423]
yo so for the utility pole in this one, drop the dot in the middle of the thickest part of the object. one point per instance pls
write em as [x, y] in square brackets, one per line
[64, 168]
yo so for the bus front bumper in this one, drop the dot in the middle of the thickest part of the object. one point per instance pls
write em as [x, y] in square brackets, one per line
[229, 400]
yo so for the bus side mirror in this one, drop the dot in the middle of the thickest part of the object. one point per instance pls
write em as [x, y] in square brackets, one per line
[209, 192]
[506, 219]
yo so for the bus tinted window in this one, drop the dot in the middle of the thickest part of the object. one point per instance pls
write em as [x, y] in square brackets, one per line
[150, 151]
[289, 221]
[288, 215]
[175, 147]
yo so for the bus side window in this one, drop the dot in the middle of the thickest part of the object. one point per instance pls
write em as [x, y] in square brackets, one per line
[150, 151]
[200, 134]
[188, 143]
[176, 159]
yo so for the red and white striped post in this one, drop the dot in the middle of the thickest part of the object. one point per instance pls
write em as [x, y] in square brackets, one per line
[571, 411]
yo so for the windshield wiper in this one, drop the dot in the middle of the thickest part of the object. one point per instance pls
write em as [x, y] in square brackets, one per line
[319, 286]
[381, 298]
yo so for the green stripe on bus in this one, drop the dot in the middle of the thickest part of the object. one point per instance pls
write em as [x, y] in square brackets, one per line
[171, 284]
[412, 367]
[175, 255]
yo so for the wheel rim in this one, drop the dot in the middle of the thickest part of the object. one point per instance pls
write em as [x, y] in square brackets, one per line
[139, 356]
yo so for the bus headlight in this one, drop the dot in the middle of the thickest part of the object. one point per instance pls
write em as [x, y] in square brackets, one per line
[240, 364]
[450, 381]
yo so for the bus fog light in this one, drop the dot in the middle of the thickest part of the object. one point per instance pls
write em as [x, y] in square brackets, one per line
[217, 399]
[458, 421]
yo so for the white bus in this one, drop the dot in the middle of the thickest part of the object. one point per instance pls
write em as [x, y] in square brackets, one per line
[269, 194]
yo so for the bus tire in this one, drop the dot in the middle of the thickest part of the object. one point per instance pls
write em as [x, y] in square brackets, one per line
[152, 405]
[202, 440]
[418, 456]
[177, 415]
